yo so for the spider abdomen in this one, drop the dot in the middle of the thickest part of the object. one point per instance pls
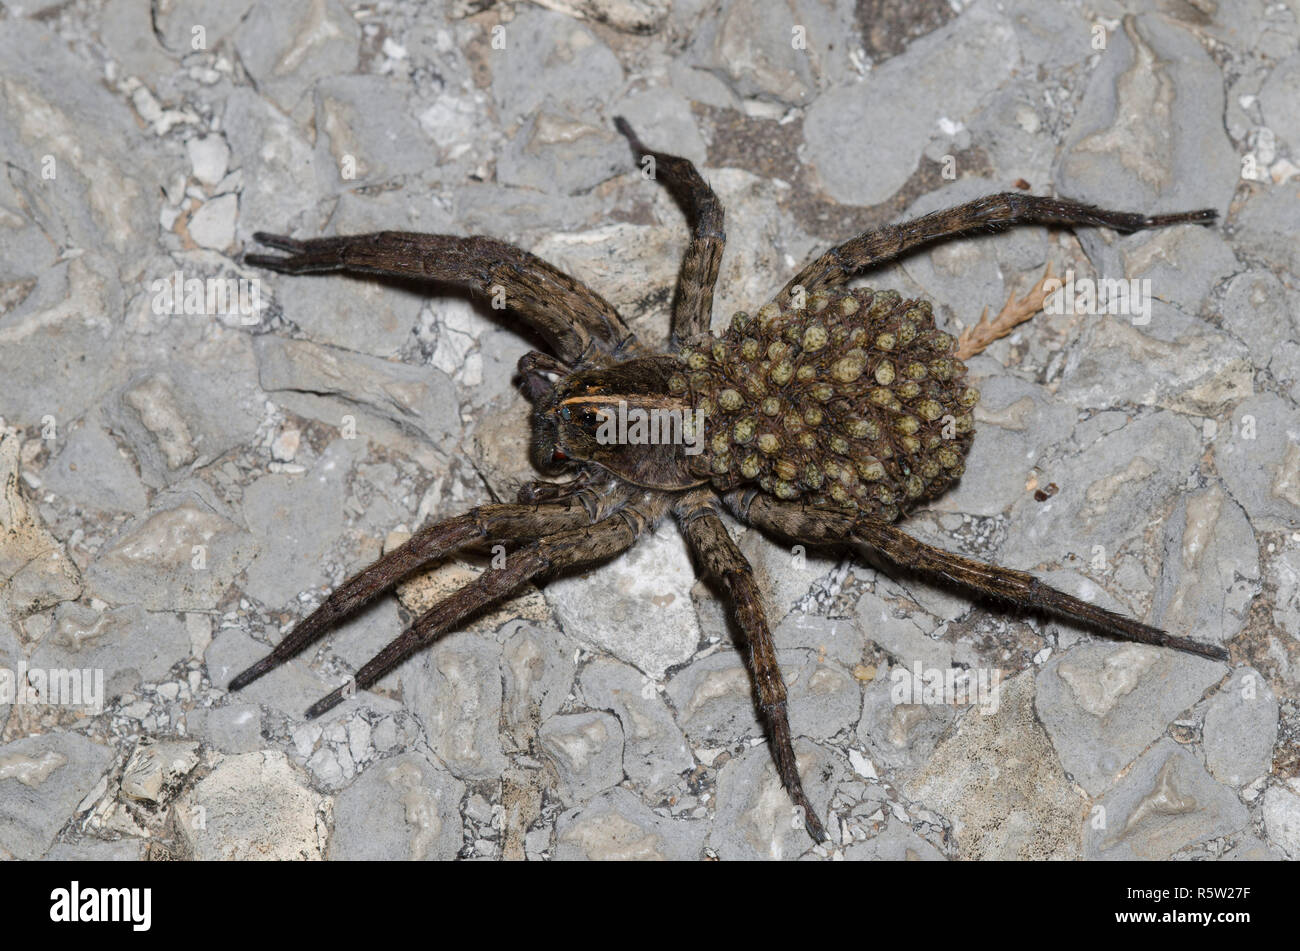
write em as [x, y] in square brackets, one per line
[854, 400]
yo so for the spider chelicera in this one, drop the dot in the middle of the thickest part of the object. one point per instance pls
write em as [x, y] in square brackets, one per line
[821, 419]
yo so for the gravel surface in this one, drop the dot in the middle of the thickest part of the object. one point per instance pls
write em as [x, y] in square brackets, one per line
[183, 478]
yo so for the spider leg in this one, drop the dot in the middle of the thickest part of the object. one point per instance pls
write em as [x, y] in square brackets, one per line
[573, 319]
[604, 539]
[719, 557]
[543, 490]
[990, 213]
[428, 544]
[693, 306]
[824, 527]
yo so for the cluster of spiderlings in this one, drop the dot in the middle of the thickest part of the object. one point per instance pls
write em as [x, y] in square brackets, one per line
[855, 401]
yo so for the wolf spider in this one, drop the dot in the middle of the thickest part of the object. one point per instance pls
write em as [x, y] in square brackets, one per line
[827, 416]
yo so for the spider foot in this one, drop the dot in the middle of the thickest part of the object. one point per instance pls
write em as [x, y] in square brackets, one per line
[1203, 216]
[300, 260]
[327, 703]
[265, 665]
[788, 769]
[625, 130]
[279, 241]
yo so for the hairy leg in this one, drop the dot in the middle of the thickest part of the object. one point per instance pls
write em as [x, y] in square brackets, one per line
[587, 479]
[573, 319]
[693, 306]
[826, 527]
[506, 522]
[991, 213]
[720, 558]
[605, 539]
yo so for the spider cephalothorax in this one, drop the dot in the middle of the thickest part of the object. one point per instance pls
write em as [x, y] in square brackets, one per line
[623, 418]
[822, 419]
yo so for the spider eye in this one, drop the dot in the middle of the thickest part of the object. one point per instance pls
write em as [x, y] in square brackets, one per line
[564, 413]
[588, 417]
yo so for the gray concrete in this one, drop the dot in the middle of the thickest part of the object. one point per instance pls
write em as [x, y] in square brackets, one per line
[181, 484]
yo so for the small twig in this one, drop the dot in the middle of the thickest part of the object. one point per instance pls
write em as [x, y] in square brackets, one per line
[973, 340]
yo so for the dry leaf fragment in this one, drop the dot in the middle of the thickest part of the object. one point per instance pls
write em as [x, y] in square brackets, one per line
[973, 340]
